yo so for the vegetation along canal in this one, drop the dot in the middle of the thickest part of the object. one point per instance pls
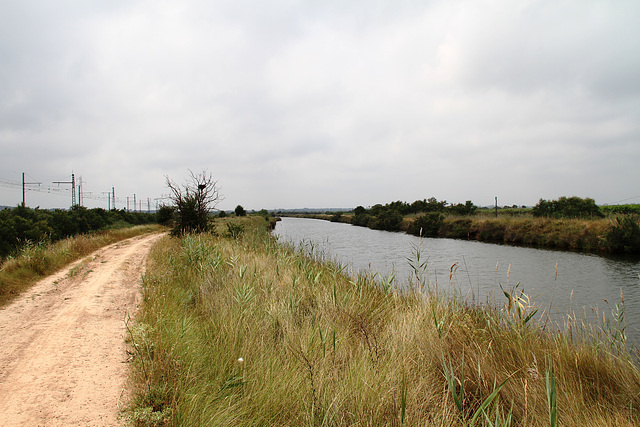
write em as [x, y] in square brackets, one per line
[560, 283]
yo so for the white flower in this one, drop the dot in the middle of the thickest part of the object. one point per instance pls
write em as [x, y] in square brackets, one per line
[240, 360]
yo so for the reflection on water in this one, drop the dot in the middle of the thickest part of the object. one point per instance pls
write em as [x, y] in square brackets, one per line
[561, 282]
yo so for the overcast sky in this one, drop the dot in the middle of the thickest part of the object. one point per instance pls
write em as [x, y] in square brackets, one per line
[321, 103]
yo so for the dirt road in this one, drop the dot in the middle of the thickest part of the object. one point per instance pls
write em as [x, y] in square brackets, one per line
[62, 353]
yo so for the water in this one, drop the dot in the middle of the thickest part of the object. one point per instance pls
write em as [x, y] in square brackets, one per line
[559, 282]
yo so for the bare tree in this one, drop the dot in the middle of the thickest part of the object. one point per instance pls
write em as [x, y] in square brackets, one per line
[193, 202]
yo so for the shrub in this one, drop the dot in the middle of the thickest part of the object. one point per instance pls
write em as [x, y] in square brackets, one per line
[492, 231]
[427, 225]
[567, 207]
[359, 211]
[361, 220]
[461, 228]
[388, 220]
[193, 201]
[468, 208]
[165, 215]
[336, 217]
[234, 230]
[623, 236]
[22, 225]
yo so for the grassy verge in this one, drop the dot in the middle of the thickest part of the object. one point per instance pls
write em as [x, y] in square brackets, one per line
[588, 235]
[243, 331]
[34, 262]
[574, 234]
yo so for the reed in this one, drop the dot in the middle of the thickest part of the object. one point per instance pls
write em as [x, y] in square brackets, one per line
[244, 331]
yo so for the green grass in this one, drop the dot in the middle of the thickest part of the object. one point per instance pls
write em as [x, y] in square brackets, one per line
[246, 332]
[34, 262]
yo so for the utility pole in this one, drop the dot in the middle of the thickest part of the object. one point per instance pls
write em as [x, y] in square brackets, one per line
[157, 200]
[73, 188]
[108, 193]
[148, 205]
[80, 191]
[113, 189]
[24, 189]
[496, 206]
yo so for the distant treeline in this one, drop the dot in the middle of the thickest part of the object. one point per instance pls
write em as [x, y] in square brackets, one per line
[428, 214]
[567, 207]
[23, 226]
[566, 223]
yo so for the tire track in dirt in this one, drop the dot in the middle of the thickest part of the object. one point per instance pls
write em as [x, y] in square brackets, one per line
[62, 352]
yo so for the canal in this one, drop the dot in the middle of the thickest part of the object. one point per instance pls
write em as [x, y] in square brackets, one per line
[560, 283]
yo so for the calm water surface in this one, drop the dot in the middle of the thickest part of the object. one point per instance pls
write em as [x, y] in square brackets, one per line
[581, 282]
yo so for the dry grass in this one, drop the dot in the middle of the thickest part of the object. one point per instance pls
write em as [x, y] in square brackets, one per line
[248, 332]
[37, 261]
[574, 234]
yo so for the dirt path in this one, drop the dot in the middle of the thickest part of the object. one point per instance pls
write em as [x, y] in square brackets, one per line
[62, 353]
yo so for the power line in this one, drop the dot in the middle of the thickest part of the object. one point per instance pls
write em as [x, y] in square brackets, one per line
[73, 188]
[626, 200]
[66, 186]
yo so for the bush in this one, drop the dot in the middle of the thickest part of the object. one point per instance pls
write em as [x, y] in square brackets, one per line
[193, 201]
[388, 220]
[468, 208]
[336, 217]
[165, 215]
[234, 230]
[361, 220]
[461, 228]
[430, 205]
[492, 231]
[427, 225]
[567, 207]
[623, 235]
[22, 226]
[359, 211]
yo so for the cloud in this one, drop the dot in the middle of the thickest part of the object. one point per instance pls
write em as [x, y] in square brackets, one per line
[326, 104]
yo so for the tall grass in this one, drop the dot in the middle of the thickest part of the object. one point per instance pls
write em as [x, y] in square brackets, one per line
[245, 331]
[33, 262]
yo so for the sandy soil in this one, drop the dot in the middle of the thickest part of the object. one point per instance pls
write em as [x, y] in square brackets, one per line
[62, 353]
